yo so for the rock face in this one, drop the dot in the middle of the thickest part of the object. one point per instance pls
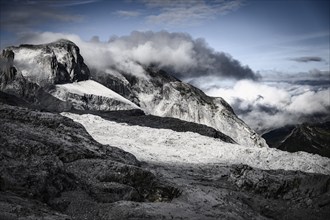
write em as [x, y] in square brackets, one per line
[50, 168]
[48, 64]
[14, 83]
[45, 157]
[158, 93]
[54, 77]
[312, 138]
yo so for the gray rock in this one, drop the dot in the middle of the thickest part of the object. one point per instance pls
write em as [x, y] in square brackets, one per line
[43, 155]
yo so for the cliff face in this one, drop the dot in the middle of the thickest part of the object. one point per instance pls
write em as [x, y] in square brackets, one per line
[13, 82]
[46, 158]
[47, 64]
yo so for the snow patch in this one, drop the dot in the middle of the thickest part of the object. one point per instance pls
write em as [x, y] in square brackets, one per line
[93, 88]
[167, 146]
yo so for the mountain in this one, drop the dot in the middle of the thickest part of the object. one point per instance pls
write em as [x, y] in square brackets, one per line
[59, 69]
[51, 168]
[312, 138]
[175, 147]
[54, 63]
[13, 83]
[159, 93]
[49, 159]
[78, 143]
[54, 75]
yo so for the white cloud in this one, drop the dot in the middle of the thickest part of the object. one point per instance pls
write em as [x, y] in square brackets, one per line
[266, 106]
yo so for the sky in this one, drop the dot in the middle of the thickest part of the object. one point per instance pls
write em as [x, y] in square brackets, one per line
[224, 47]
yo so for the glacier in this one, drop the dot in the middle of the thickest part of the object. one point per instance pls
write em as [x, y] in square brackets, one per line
[171, 147]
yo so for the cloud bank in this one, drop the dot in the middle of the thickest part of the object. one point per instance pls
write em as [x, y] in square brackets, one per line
[269, 105]
[178, 53]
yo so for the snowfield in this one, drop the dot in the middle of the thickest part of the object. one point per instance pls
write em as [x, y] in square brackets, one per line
[93, 88]
[93, 96]
[167, 146]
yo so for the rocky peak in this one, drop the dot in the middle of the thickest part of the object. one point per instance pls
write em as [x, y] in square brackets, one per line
[7, 70]
[54, 63]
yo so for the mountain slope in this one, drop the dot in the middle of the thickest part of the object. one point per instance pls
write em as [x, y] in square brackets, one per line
[173, 147]
[52, 169]
[312, 138]
[45, 157]
[160, 94]
[55, 68]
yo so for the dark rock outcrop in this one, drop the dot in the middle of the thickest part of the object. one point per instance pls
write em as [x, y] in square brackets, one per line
[44, 155]
[54, 63]
[14, 84]
[311, 138]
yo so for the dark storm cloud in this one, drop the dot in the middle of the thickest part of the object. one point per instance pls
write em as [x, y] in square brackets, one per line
[178, 53]
[182, 55]
[307, 59]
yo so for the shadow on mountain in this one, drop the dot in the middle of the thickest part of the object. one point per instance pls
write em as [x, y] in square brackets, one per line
[312, 138]
[137, 117]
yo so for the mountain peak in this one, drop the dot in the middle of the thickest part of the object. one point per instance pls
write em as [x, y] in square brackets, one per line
[52, 63]
[59, 42]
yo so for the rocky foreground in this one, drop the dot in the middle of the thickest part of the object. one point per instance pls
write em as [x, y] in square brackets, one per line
[51, 168]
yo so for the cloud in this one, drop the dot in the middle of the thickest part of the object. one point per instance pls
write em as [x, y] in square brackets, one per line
[178, 53]
[307, 59]
[20, 16]
[265, 106]
[189, 12]
[128, 14]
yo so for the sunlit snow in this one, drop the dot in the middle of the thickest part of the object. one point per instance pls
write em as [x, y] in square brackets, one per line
[93, 88]
[167, 146]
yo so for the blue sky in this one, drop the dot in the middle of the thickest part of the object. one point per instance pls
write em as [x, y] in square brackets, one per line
[270, 35]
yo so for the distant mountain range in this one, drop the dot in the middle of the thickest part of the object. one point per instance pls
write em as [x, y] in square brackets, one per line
[81, 143]
[312, 138]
